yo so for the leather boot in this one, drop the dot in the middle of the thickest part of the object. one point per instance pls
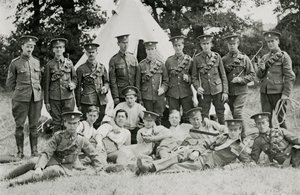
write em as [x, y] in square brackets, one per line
[33, 138]
[20, 145]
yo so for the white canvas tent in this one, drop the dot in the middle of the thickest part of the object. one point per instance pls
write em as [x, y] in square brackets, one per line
[130, 17]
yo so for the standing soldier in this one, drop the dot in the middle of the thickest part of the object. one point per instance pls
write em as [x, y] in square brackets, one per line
[152, 80]
[179, 70]
[209, 79]
[276, 75]
[240, 72]
[92, 84]
[24, 77]
[123, 67]
[60, 82]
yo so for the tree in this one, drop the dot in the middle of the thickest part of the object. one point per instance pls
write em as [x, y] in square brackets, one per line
[195, 17]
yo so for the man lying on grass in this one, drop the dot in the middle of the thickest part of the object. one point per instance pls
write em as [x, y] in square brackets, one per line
[59, 156]
[278, 144]
[202, 153]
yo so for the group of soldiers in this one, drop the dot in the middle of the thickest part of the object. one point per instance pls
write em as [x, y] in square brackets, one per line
[140, 92]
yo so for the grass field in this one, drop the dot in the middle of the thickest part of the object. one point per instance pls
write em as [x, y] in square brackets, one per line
[249, 180]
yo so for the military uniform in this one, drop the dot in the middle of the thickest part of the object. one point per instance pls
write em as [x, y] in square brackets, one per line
[24, 78]
[209, 73]
[123, 69]
[151, 76]
[90, 80]
[216, 152]
[179, 92]
[277, 144]
[59, 75]
[276, 79]
[237, 64]
[61, 153]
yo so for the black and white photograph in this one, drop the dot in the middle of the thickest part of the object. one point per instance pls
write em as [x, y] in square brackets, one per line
[139, 97]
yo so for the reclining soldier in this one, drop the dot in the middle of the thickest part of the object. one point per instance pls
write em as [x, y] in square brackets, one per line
[278, 144]
[59, 157]
[203, 154]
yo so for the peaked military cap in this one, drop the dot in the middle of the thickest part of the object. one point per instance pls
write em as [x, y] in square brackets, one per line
[91, 46]
[29, 39]
[150, 44]
[192, 112]
[234, 122]
[57, 41]
[206, 38]
[232, 38]
[260, 116]
[148, 115]
[68, 116]
[93, 109]
[130, 90]
[271, 35]
[176, 39]
[123, 37]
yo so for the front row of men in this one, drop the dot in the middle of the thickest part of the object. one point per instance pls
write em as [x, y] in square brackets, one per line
[184, 147]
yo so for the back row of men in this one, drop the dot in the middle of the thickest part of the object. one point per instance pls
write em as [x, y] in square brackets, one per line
[216, 80]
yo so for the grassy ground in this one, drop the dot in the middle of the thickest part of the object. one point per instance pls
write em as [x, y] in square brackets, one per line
[260, 181]
[257, 180]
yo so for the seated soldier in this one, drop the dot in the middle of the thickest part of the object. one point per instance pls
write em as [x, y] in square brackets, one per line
[277, 143]
[135, 111]
[225, 149]
[112, 137]
[60, 154]
[151, 134]
[181, 131]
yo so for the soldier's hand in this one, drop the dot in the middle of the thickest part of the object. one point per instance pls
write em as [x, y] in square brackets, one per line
[284, 97]
[200, 90]
[116, 101]
[148, 138]
[194, 155]
[237, 80]
[38, 173]
[160, 91]
[186, 78]
[224, 97]
[72, 86]
[260, 63]
[103, 90]
[48, 107]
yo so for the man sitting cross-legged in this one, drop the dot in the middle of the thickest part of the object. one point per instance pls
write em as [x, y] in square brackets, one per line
[278, 144]
[201, 154]
[59, 156]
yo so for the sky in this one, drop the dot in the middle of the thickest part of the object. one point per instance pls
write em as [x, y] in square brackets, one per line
[262, 13]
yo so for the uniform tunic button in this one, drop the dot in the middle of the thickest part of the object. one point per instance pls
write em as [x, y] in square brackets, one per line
[267, 77]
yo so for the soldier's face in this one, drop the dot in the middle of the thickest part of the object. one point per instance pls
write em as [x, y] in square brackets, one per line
[234, 132]
[233, 46]
[196, 121]
[121, 119]
[91, 117]
[174, 119]
[71, 125]
[206, 46]
[130, 99]
[27, 49]
[263, 126]
[123, 46]
[59, 49]
[91, 54]
[149, 123]
[151, 52]
[273, 43]
[178, 47]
